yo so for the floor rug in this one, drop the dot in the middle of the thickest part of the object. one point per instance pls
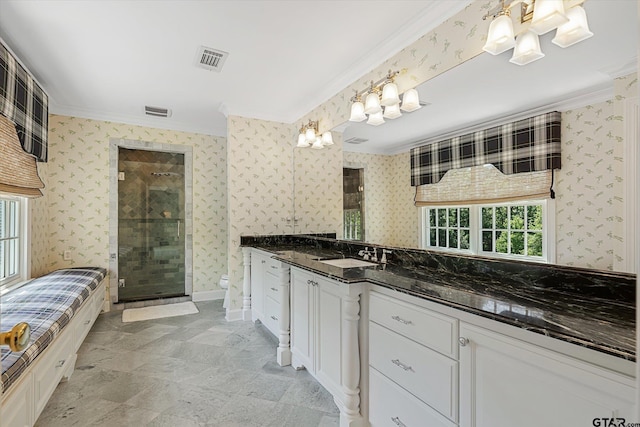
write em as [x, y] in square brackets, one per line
[158, 311]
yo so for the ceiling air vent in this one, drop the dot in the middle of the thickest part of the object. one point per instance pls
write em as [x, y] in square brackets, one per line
[211, 59]
[355, 140]
[157, 111]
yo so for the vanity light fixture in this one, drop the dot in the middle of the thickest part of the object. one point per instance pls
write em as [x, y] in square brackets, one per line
[537, 17]
[310, 137]
[382, 101]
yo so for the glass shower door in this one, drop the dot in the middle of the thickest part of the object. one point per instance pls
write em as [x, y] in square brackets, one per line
[151, 219]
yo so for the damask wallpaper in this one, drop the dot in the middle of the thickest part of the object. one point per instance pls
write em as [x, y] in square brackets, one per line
[74, 214]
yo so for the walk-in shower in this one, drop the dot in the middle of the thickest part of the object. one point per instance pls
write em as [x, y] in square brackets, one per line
[151, 224]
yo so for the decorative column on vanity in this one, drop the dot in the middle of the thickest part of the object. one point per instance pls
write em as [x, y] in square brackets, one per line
[246, 285]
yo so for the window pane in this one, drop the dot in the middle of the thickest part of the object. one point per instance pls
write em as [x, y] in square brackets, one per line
[453, 217]
[12, 265]
[487, 217]
[3, 272]
[534, 244]
[432, 217]
[534, 217]
[2, 219]
[502, 244]
[517, 242]
[464, 239]
[432, 237]
[487, 241]
[517, 218]
[442, 217]
[464, 217]
[453, 239]
[501, 217]
[442, 237]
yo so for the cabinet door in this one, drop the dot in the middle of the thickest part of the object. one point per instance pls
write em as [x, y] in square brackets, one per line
[17, 407]
[258, 263]
[505, 382]
[302, 320]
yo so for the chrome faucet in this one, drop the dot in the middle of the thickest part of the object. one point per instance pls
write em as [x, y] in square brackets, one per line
[384, 256]
[374, 258]
[365, 254]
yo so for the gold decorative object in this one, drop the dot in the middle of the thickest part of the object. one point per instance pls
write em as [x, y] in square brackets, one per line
[17, 338]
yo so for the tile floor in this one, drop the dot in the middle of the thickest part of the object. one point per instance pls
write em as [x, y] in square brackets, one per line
[195, 370]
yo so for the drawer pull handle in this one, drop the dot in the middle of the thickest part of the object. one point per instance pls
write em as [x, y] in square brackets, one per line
[60, 363]
[399, 364]
[463, 341]
[264, 262]
[401, 320]
[274, 267]
[312, 282]
[274, 289]
[274, 317]
[86, 322]
[396, 421]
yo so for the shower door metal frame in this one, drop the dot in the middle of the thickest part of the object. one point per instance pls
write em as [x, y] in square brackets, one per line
[187, 151]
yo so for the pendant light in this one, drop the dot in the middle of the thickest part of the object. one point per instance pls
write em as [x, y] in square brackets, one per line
[392, 112]
[357, 111]
[317, 144]
[390, 95]
[327, 139]
[410, 101]
[527, 49]
[574, 31]
[547, 15]
[375, 119]
[302, 140]
[372, 104]
[501, 37]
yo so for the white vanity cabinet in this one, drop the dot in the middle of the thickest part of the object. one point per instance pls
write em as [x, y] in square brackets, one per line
[413, 371]
[270, 299]
[506, 382]
[325, 337]
[433, 365]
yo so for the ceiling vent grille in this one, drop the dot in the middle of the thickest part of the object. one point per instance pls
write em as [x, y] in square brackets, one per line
[211, 59]
[355, 140]
[157, 111]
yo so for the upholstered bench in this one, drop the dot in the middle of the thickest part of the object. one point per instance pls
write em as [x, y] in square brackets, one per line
[60, 308]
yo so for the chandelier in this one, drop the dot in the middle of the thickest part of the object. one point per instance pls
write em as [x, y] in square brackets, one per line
[310, 137]
[383, 93]
[537, 17]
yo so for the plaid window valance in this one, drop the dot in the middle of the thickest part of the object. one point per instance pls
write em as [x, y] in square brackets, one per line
[24, 102]
[528, 145]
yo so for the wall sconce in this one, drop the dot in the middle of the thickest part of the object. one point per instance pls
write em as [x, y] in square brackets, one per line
[537, 17]
[310, 137]
[383, 93]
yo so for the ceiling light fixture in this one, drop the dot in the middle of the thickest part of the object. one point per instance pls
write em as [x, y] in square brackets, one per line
[382, 101]
[310, 137]
[537, 17]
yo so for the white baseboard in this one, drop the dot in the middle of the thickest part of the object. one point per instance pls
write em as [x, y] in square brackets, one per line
[208, 295]
[233, 315]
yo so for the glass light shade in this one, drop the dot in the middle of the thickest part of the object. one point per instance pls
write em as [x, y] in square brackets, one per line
[310, 135]
[501, 37]
[327, 139]
[392, 111]
[302, 141]
[410, 101]
[390, 95]
[375, 119]
[574, 31]
[317, 144]
[357, 112]
[527, 49]
[372, 104]
[547, 15]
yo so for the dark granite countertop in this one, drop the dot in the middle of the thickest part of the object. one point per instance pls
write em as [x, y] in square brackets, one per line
[569, 313]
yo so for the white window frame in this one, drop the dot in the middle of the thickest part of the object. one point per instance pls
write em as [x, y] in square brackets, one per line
[475, 235]
[24, 234]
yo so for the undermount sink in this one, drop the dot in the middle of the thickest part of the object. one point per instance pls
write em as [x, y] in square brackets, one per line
[348, 263]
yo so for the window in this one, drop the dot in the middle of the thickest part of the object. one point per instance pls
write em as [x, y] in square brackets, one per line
[12, 241]
[519, 230]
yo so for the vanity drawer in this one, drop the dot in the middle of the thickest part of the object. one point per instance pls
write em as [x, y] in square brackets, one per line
[273, 288]
[273, 266]
[431, 329]
[428, 375]
[83, 322]
[392, 406]
[272, 315]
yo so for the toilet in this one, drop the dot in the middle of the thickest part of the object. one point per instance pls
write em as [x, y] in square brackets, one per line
[224, 284]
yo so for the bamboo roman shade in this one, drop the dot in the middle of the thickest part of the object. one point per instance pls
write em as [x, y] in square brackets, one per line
[18, 170]
[24, 102]
[514, 161]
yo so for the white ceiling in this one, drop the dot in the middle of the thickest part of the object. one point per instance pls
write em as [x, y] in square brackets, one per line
[490, 89]
[108, 59]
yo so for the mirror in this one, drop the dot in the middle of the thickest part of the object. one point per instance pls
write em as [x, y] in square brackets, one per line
[489, 89]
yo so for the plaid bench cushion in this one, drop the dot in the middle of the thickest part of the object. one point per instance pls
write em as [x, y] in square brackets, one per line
[47, 304]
